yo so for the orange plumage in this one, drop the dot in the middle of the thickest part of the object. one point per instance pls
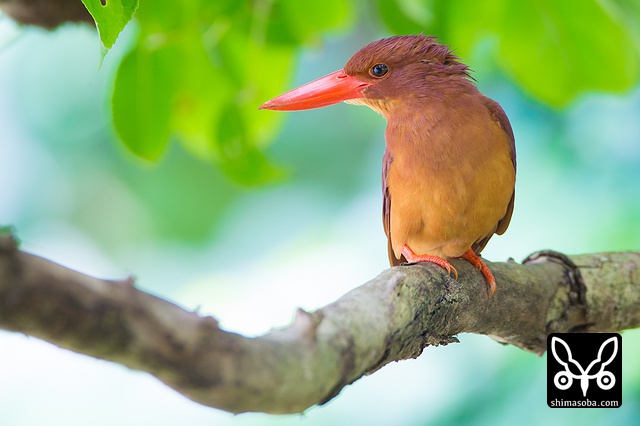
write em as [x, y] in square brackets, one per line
[449, 165]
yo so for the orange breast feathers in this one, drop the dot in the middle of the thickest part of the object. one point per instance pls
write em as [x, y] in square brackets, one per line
[450, 179]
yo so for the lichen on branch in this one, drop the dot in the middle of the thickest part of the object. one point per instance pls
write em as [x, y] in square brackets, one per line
[392, 317]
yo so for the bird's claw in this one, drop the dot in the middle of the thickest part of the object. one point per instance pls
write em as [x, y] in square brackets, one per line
[449, 267]
[420, 258]
[477, 262]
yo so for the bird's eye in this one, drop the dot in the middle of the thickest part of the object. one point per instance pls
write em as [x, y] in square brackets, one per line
[379, 70]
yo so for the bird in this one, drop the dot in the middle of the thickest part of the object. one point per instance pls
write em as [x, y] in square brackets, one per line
[449, 167]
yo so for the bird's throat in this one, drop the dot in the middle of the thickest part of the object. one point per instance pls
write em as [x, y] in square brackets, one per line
[416, 130]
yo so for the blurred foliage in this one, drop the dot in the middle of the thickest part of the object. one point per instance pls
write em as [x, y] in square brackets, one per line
[553, 50]
[199, 69]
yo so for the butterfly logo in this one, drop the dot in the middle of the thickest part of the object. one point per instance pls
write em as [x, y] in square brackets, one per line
[564, 379]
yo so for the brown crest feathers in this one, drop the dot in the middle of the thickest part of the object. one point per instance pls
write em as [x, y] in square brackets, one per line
[400, 50]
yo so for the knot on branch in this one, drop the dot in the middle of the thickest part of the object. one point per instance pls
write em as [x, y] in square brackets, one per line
[570, 304]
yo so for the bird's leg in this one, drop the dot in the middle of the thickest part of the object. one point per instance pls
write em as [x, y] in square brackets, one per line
[415, 258]
[476, 261]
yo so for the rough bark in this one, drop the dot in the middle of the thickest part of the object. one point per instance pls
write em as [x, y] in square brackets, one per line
[392, 317]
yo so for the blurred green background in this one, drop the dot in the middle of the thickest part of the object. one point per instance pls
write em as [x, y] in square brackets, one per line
[159, 164]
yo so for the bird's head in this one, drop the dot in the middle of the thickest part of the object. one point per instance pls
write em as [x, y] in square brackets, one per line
[381, 75]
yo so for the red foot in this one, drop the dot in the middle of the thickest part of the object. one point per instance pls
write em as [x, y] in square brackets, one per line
[415, 258]
[475, 260]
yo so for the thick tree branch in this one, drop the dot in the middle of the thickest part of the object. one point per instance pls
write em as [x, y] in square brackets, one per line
[392, 317]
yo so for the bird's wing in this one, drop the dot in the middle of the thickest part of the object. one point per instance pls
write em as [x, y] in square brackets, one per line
[386, 209]
[499, 115]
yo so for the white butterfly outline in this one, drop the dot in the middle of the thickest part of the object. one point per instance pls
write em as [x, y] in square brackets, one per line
[584, 377]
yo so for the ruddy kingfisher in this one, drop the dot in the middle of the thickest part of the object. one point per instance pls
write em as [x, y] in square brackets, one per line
[449, 169]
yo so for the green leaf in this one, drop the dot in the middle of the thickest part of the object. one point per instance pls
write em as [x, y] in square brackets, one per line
[467, 24]
[237, 156]
[200, 70]
[214, 109]
[296, 22]
[111, 17]
[558, 49]
[406, 16]
[311, 18]
[554, 50]
[167, 17]
[143, 97]
[201, 90]
[627, 12]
